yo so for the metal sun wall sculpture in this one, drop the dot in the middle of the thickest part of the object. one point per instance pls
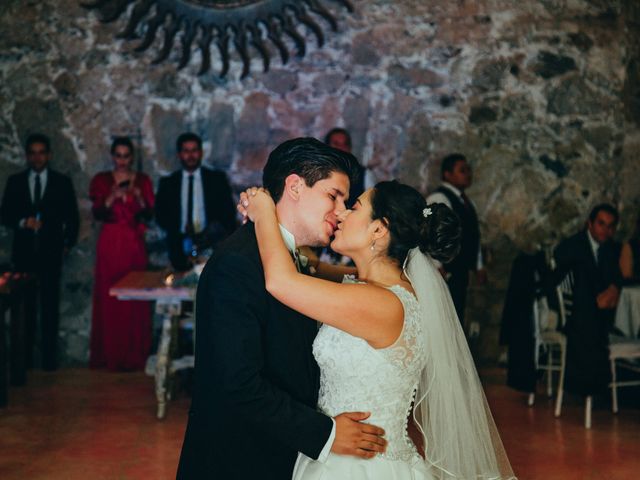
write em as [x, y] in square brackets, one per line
[243, 25]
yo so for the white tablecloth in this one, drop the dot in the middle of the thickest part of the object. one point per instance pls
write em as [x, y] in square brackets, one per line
[628, 312]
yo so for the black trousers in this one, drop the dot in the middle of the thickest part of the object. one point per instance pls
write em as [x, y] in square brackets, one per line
[458, 283]
[43, 303]
[588, 369]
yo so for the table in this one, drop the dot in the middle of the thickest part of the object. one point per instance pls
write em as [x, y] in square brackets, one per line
[628, 312]
[13, 298]
[150, 286]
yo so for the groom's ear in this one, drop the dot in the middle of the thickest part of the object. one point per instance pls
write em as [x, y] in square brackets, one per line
[292, 185]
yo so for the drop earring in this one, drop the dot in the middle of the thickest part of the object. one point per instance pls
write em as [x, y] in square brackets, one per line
[373, 246]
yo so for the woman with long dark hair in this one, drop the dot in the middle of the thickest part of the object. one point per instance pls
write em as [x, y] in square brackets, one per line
[122, 200]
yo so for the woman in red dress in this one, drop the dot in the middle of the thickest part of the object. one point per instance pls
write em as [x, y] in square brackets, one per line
[122, 200]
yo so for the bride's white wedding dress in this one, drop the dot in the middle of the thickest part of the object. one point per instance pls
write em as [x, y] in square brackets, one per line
[429, 365]
[355, 377]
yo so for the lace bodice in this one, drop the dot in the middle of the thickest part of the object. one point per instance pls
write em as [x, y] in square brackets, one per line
[357, 377]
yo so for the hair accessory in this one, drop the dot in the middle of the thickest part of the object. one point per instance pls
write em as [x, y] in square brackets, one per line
[426, 212]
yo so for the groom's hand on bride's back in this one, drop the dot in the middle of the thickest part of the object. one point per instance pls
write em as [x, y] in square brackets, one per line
[356, 438]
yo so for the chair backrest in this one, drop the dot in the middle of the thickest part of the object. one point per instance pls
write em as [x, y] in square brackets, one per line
[564, 291]
[541, 320]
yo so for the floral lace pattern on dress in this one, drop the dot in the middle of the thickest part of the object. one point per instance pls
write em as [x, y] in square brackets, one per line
[354, 376]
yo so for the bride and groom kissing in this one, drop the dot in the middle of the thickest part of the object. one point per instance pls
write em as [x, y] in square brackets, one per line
[276, 398]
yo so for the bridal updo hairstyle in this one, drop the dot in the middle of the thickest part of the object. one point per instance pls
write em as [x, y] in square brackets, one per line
[402, 209]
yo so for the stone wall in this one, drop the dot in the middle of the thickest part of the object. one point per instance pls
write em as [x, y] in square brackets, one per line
[542, 96]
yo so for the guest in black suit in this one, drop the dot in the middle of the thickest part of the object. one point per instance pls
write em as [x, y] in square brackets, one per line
[40, 206]
[592, 256]
[256, 381]
[456, 176]
[194, 204]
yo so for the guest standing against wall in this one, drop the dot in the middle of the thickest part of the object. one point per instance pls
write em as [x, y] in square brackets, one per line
[40, 206]
[122, 201]
[340, 139]
[194, 204]
[456, 178]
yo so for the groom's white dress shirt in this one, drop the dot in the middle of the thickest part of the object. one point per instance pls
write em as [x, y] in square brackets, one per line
[290, 242]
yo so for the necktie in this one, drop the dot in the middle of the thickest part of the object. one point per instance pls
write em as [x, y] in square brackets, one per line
[466, 201]
[600, 258]
[296, 259]
[189, 226]
[37, 192]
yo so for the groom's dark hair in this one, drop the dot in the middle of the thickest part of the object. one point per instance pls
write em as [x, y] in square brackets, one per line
[307, 157]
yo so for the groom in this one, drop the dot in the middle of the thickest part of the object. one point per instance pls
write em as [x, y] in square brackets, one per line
[256, 381]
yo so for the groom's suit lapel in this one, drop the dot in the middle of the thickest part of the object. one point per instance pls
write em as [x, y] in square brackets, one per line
[302, 331]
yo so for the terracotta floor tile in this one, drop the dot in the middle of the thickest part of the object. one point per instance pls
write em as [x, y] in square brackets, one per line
[81, 424]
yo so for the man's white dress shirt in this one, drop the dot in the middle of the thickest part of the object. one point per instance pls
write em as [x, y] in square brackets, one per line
[43, 182]
[439, 197]
[594, 246]
[199, 215]
[31, 179]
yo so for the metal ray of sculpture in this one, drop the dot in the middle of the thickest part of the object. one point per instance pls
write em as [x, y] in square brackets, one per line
[243, 25]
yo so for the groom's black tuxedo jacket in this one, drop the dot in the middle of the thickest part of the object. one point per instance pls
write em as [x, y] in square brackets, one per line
[256, 381]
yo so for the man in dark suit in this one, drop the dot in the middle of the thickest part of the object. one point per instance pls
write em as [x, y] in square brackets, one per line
[40, 206]
[256, 381]
[592, 257]
[456, 178]
[193, 205]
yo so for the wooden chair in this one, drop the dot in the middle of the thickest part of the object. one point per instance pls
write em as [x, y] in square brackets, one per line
[625, 354]
[547, 338]
[551, 341]
[564, 290]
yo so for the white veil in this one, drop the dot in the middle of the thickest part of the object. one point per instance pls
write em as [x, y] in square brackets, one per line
[460, 437]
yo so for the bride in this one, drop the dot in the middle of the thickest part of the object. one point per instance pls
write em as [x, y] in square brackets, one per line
[390, 342]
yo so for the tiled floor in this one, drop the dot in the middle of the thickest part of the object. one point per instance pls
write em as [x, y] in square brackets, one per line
[81, 424]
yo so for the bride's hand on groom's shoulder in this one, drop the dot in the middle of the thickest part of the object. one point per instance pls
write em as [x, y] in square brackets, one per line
[254, 201]
[356, 438]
